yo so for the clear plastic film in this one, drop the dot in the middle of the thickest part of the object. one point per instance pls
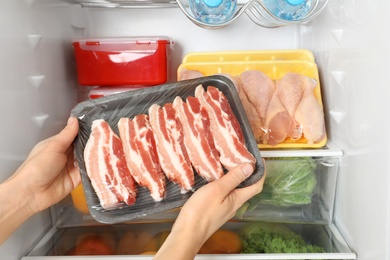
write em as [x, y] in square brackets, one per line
[129, 104]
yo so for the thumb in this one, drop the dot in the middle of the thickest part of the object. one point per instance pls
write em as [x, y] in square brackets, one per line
[234, 177]
[65, 138]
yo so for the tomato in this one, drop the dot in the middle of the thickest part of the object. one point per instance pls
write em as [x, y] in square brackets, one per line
[91, 245]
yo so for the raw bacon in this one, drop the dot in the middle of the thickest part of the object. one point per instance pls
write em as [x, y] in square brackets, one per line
[225, 128]
[141, 155]
[106, 167]
[172, 155]
[197, 138]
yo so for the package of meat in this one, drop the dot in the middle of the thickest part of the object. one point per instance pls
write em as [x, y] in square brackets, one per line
[280, 92]
[159, 102]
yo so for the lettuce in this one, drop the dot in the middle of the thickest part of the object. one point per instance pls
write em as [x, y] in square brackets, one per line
[274, 238]
[288, 182]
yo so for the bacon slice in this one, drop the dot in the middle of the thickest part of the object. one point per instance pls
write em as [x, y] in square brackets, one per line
[225, 128]
[198, 139]
[141, 155]
[106, 167]
[172, 154]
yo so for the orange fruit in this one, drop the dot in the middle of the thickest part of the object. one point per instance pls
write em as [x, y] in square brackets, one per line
[156, 242]
[222, 242]
[79, 200]
[149, 253]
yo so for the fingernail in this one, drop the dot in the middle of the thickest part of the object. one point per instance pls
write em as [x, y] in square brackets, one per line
[247, 169]
[71, 120]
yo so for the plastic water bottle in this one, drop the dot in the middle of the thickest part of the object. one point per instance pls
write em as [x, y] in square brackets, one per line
[290, 10]
[213, 11]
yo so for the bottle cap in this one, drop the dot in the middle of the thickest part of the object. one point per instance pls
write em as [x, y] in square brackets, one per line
[295, 2]
[212, 3]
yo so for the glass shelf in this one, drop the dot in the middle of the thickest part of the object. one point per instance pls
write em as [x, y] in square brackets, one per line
[126, 3]
[255, 9]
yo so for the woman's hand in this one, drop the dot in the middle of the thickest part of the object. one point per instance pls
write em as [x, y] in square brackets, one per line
[206, 211]
[46, 177]
[49, 171]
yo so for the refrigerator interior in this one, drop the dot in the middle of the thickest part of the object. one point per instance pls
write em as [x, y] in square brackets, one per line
[350, 43]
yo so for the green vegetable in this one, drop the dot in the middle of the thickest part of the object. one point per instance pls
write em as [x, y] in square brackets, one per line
[288, 182]
[291, 181]
[274, 238]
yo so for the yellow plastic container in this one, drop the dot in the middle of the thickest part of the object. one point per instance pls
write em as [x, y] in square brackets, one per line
[275, 69]
[273, 55]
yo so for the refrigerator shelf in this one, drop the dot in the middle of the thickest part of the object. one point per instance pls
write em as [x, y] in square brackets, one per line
[57, 242]
[126, 3]
[254, 9]
[329, 150]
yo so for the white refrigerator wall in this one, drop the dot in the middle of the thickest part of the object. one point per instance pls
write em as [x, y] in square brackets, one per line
[37, 92]
[352, 47]
[350, 43]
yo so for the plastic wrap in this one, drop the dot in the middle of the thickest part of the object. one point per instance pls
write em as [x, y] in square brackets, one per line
[129, 104]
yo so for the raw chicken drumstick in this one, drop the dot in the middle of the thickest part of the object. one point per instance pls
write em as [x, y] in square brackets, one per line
[259, 89]
[310, 116]
[290, 89]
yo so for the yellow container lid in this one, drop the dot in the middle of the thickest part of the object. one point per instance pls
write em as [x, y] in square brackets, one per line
[226, 56]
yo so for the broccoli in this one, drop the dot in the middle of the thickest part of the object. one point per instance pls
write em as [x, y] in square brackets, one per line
[274, 238]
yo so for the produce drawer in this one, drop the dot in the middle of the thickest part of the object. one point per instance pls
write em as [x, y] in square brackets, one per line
[297, 190]
[140, 241]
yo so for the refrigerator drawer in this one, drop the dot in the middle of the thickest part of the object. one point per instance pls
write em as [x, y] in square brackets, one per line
[145, 239]
[298, 189]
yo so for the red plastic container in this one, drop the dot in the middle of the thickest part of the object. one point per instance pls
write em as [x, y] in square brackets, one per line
[122, 61]
[106, 91]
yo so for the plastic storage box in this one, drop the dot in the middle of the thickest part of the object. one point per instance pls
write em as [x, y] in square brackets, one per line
[122, 61]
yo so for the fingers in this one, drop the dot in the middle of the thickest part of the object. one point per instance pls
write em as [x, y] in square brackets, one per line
[65, 138]
[72, 168]
[234, 177]
[244, 194]
[74, 174]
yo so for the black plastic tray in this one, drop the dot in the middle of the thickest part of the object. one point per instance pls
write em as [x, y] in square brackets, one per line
[128, 104]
